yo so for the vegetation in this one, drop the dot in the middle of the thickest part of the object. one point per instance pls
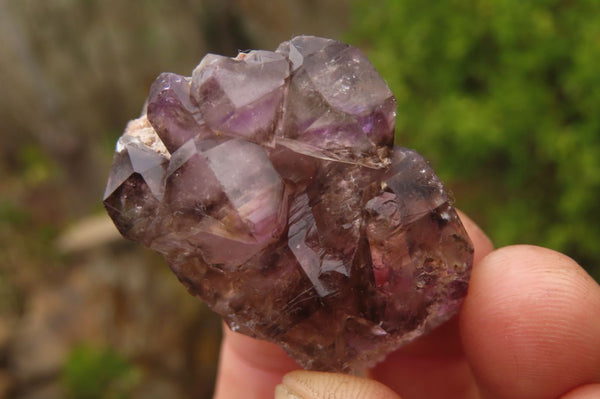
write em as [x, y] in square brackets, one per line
[503, 98]
[93, 373]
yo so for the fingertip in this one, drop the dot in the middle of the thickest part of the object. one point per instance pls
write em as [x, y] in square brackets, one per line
[526, 324]
[256, 353]
[250, 368]
[589, 391]
[303, 384]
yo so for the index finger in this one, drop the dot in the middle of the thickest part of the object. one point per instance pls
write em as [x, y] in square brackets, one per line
[250, 368]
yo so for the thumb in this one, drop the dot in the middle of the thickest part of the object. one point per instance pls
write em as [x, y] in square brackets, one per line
[302, 384]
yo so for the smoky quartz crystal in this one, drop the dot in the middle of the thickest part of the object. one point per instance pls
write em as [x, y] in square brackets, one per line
[271, 185]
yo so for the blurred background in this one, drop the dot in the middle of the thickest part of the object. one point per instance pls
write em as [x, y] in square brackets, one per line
[502, 96]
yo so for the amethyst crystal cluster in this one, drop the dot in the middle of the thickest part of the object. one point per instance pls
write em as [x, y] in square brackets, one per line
[271, 185]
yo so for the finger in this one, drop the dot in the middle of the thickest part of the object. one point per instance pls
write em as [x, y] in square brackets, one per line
[434, 366]
[590, 391]
[530, 324]
[316, 385]
[250, 368]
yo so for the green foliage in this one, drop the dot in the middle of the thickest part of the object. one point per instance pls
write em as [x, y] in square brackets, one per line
[92, 373]
[12, 215]
[503, 97]
[36, 167]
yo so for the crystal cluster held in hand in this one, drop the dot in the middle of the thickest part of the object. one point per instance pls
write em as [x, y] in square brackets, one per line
[271, 185]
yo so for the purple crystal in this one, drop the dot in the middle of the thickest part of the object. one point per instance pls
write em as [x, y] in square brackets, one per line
[171, 111]
[135, 186]
[241, 96]
[270, 184]
[337, 105]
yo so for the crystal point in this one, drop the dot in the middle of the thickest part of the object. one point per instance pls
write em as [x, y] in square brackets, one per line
[271, 185]
[337, 104]
[241, 96]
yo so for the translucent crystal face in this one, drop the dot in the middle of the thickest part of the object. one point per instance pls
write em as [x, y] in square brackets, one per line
[270, 184]
[337, 103]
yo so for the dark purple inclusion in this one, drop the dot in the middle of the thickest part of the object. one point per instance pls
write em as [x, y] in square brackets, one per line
[270, 184]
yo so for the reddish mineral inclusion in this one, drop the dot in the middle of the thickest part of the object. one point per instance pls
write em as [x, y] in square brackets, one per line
[270, 184]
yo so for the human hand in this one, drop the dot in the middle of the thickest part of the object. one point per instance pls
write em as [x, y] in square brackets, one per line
[529, 328]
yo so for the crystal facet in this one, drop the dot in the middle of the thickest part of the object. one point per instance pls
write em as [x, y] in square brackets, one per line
[270, 184]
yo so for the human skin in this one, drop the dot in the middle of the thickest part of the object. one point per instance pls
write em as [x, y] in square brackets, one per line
[529, 328]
